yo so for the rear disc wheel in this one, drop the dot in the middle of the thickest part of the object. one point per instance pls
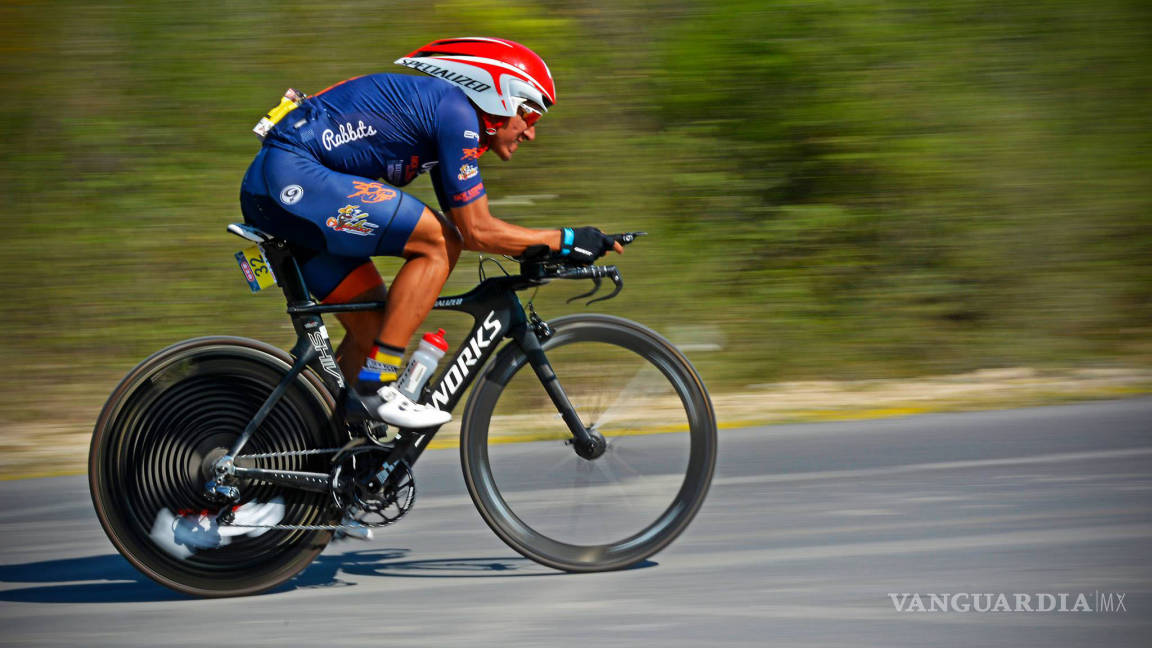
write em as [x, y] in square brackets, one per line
[154, 448]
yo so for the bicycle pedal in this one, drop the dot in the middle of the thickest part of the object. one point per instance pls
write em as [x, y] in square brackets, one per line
[381, 433]
[355, 530]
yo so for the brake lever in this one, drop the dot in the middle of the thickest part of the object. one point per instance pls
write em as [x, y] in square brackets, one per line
[595, 287]
[616, 279]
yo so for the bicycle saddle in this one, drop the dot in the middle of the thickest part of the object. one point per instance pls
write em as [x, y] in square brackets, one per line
[250, 233]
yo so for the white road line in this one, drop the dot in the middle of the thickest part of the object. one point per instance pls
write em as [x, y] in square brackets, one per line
[925, 467]
[747, 558]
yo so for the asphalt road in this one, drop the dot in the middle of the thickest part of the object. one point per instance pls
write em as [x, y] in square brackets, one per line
[807, 532]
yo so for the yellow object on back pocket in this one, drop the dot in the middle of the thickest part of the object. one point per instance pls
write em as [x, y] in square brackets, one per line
[288, 103]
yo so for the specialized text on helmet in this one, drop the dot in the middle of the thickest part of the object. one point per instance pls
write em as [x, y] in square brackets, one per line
[462, 80]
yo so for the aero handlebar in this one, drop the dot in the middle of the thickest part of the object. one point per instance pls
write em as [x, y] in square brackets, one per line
[545, 270]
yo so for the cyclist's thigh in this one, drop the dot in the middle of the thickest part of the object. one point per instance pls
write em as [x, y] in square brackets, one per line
[311, 205]
[337, 280]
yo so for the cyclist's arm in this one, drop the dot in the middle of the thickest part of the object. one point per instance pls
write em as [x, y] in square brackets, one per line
[483, 232]
[480, 231]
[461, 192]
[460, 189]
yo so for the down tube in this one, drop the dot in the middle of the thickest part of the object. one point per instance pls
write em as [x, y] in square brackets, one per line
[495, 317]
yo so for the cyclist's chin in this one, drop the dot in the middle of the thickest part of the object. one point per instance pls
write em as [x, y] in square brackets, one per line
[505, 152]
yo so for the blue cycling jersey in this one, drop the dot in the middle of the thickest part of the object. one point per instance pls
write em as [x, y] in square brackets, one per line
[314, 182]
[392, 127]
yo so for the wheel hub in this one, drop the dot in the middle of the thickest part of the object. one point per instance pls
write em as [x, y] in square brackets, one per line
[208, 463]
[593, 449]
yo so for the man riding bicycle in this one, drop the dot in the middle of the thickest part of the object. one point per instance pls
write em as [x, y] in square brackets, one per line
[313, 184]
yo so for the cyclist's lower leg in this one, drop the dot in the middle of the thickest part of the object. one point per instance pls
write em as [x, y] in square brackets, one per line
[360, 331]
[431, 253]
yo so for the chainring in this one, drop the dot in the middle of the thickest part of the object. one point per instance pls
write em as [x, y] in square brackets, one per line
[372, 507]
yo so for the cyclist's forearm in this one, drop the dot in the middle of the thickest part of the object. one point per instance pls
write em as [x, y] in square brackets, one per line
[511, 239]
[482, 232]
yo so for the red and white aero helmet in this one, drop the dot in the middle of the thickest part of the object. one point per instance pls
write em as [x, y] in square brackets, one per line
[496, 74]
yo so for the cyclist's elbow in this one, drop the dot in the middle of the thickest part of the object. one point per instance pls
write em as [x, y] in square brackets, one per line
[481, 234]
[477, 239]
[479, 231]
[482, 240]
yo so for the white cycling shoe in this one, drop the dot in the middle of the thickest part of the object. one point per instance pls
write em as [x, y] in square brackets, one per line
[401, 411]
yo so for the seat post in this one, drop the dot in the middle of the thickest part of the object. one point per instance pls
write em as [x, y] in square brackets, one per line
[287, 272]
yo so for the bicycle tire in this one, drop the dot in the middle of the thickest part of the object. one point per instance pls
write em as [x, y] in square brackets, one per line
[522, 501]
[152, 449]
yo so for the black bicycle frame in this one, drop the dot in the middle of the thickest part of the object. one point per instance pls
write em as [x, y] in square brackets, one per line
[496, 312]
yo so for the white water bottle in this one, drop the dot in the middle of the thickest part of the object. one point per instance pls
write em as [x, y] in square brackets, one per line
[423, 364]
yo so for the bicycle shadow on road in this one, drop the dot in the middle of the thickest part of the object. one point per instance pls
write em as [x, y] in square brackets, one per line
[111, 579]
[382, 562]
[93, 579]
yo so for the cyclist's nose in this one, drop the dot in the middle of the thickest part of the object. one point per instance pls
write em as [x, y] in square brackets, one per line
[530, 133]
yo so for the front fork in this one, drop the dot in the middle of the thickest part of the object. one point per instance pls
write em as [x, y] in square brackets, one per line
[588, 443]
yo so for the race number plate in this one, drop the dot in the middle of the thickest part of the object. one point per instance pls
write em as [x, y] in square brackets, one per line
[256, 269]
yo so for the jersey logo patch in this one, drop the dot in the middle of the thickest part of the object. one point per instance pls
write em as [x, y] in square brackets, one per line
[350, 219]
[291, 194]
[348, 133]
[413, 169]
[467, 172]
[471, 154]
[372, 192]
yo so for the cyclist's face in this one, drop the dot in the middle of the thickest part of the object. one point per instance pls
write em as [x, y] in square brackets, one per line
[508, 136]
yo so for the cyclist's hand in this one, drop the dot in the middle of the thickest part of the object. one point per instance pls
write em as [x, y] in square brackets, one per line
[583, 245]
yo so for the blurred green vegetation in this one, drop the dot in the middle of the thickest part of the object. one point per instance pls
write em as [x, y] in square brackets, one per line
[835, 188]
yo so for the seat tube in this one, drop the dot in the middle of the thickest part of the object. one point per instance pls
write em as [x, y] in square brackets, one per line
[311, 334]
[530, 345]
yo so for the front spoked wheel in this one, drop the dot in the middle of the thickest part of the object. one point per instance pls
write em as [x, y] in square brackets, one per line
[631, 387]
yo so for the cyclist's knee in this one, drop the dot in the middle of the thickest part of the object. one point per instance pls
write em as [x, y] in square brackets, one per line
[434, 240]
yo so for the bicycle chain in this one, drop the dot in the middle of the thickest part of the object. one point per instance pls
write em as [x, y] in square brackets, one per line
[296, 527]
[292, 527]
[289, 453]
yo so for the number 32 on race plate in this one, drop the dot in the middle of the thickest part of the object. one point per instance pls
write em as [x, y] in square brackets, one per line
[256, 269]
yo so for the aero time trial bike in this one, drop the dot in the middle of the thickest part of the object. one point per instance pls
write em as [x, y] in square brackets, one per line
[223, 466]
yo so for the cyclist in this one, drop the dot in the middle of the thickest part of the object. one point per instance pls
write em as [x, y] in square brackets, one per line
[314, 184]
